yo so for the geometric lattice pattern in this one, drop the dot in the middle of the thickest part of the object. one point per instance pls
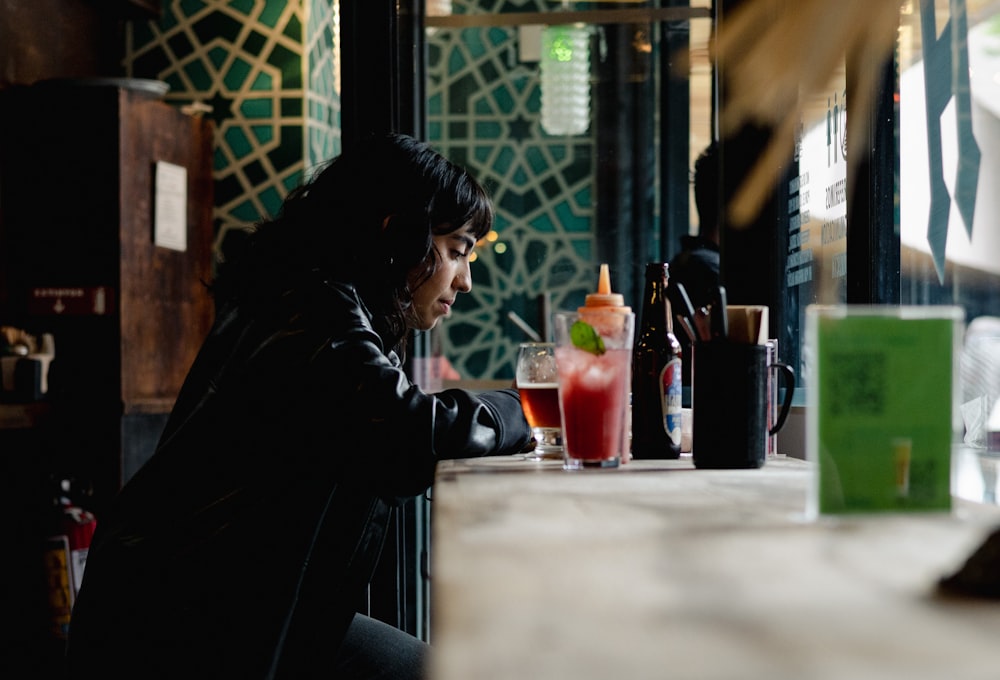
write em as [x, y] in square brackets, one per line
[244, 59]
[267, 70]
[322, 95]
[484, 111]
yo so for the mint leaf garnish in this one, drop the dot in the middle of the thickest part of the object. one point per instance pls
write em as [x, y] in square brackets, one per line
[586, 338]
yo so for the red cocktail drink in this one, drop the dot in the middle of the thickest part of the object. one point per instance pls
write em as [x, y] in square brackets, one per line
[593, 393]
[594, 381]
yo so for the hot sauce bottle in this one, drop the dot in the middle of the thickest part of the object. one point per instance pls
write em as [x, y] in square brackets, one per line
[656, 373]
[603, 300]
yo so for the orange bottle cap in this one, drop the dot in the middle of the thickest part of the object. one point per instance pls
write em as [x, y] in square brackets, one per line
[604, 298]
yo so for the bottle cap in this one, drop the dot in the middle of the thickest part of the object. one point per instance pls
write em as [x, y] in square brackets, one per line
[604, 299]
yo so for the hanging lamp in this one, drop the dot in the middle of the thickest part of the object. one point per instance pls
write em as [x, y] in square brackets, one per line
[565, 79]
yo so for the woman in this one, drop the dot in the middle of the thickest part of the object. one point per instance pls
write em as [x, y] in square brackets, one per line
[244, 546]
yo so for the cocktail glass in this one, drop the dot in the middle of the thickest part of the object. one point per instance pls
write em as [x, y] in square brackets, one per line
[594, 359]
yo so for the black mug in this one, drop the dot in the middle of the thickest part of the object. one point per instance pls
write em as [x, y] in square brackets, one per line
[729, 403]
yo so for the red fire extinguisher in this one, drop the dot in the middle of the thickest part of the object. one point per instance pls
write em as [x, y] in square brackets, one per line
[65, 557]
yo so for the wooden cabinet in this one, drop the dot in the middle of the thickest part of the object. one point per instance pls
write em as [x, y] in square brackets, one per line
[78, 260]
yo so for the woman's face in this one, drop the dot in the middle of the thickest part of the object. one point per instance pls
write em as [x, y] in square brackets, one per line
[433, 298]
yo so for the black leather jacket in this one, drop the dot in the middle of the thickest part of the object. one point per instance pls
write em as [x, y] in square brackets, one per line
[242, 548]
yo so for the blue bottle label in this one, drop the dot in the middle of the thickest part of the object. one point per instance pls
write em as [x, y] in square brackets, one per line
[670, 399]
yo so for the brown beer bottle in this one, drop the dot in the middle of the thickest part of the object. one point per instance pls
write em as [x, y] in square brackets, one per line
[656, 373]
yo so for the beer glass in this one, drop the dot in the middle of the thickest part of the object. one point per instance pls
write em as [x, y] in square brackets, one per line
[538, 383]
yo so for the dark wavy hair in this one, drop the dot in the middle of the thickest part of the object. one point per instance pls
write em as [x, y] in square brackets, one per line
[367, 217]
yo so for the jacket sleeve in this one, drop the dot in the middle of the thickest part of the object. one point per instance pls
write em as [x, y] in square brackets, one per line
[398, 432]
[498, 410]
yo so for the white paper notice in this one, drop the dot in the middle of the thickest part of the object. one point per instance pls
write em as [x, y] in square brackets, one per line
[170, 217]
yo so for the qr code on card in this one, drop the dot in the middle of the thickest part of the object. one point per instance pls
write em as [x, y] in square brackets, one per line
[856, 384]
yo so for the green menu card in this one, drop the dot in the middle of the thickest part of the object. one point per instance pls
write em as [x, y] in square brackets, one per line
[882, 413]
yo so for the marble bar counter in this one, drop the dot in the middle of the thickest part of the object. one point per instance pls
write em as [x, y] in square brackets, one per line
[659, 570]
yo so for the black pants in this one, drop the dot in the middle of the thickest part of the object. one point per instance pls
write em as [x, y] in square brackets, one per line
[373, 650]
